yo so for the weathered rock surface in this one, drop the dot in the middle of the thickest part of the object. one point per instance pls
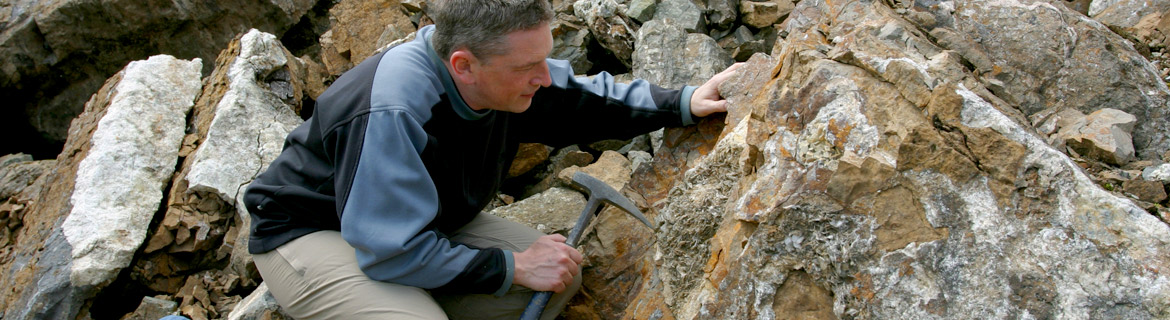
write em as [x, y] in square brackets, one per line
[241, 120]
[865, 173]
[609, 24]
[683, 14]
[57, 53]
[359, 29]
[553, 211]
[881, 162]
[1103, 135]
[100, 198]
[659, 60]
[1073, 62]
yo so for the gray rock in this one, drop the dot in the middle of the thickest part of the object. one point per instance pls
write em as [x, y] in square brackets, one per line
[56, 54]
[18, 172]
[571, 42]
[659, 60]
[120, 182]
[553, 211]
[683, 14]
[641, 10]
[1157, 173]
[639, 158]
[721, 14]
[1068, 54]
[609, 24]
[1125, 13]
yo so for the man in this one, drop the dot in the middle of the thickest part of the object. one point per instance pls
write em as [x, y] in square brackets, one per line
[373, 208]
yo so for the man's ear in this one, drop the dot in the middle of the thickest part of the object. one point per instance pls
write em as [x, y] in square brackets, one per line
[463, 66]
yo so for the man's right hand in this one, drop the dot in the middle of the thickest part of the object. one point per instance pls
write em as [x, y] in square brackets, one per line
[548, 265]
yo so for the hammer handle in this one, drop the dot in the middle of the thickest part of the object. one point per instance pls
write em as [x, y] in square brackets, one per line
[540, 299]
[536, 305]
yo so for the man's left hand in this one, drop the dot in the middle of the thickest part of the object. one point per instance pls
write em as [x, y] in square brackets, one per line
[706, 99]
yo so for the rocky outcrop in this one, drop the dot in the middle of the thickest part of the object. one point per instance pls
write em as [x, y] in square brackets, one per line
[55, 54]
[866, 172]
[881, 159]
[84, 227]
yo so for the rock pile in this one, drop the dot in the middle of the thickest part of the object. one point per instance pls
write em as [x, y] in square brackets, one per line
[881, 159]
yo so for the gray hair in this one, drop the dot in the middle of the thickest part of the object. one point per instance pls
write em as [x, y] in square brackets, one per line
[481, 25]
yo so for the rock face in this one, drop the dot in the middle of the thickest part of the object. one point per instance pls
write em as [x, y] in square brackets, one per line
[103, 192]
[1074, 62]
[879, 160]
[659, 60]
[55, 54]
[863, 172]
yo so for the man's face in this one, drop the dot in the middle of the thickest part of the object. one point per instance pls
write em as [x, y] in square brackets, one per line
[507, 82]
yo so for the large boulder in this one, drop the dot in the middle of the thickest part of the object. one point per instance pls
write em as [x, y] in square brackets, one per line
[863, 172]
[84, 227]
[55, 54]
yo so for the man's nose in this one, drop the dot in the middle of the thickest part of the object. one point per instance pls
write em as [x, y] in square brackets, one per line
[541, 78]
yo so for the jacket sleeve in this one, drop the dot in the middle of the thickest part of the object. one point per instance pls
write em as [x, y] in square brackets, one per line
[579, 109]
[387, 203]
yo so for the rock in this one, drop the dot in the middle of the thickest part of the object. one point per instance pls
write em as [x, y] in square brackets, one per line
[553, 211]
[153, 308]
[240, 123]
[528, 157]
[255, 114]
[1157, 173]
[722, 14]
[571, 42]
[742, 44]
[1102, 135]
[659, 60]
[639, 158]
[611, 167]
[609, 25]
[18, 171]
[1068, 54]
[56, 54]
[761, 14]
[1125, 13]
[1148, 191]
[639, 143]
[259, 305]
[683, 14]
[641, 10]
[359, 29]
[84, 227]
[120, 182]
[865, 173]
[563, 158]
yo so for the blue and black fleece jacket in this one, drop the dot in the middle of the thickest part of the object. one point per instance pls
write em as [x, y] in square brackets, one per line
[395, 160]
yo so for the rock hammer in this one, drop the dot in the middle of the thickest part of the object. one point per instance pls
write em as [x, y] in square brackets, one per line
[599, 193]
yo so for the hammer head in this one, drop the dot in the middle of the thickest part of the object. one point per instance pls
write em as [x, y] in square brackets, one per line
[600, 191]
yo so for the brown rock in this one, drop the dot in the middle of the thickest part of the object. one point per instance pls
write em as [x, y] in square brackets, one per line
[528, 157]
[359, 29]
[1148, 191]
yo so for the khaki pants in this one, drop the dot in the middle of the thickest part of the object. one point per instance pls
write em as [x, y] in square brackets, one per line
[316, 276]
